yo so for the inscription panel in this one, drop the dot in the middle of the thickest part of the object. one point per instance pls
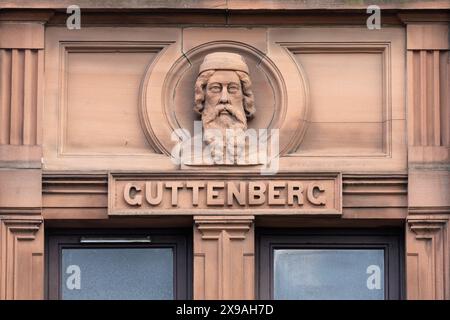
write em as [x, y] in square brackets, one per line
[167, 193]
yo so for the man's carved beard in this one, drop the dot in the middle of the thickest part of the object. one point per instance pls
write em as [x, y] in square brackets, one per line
[224, 116]
[228, 120]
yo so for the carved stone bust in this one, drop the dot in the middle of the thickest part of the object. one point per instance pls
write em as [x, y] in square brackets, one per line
[224, 99]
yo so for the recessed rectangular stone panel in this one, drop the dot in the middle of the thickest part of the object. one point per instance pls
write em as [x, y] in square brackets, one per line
[101, 115]
[349, 97]
[92, 95]
[344, 86]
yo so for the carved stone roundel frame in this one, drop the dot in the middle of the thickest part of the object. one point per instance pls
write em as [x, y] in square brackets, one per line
[278, 85]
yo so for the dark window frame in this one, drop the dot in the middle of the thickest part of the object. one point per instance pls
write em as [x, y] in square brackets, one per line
[391, 240]
[180, 240]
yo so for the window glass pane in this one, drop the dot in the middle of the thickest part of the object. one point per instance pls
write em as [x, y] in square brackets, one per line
[329, 274]
[118, 273]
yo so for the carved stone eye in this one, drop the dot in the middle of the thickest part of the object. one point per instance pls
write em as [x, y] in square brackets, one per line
[233, 88]
[216, 88]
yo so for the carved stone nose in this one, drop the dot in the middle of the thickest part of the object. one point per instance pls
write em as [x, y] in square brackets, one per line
[224, 96]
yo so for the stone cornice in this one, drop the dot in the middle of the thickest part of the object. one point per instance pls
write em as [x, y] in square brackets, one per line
[228, 4]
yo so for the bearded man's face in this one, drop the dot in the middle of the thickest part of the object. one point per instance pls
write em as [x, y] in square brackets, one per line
[224, 107]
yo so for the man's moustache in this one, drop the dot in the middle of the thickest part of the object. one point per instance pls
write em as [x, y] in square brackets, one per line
[226, 107]
[215, 112]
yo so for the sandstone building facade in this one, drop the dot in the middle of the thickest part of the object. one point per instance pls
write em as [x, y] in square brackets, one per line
[347, 194]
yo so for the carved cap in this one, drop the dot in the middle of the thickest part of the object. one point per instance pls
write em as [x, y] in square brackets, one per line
[223, 61]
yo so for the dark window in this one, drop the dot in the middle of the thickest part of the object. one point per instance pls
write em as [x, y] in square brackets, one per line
[151, 264]
[330, 264]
